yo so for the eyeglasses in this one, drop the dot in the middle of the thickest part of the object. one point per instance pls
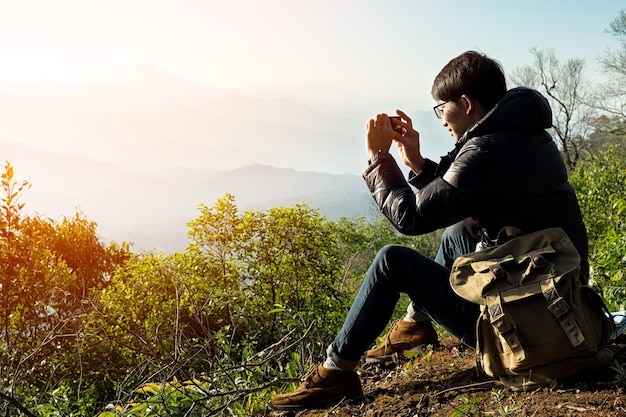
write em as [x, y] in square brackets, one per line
[439, 109]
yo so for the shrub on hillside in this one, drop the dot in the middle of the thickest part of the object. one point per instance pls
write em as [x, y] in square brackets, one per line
[600, 185]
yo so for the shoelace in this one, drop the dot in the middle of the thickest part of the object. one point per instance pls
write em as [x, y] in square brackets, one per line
[308, 377]
[393, 328]
[387, 344]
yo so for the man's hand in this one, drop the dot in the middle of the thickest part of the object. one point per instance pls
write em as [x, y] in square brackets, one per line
[379, 135]
[409, 144]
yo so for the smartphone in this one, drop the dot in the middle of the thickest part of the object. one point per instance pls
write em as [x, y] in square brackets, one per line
[395, 123]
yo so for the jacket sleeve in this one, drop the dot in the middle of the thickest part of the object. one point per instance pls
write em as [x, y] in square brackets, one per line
[425, 176]
[441, 201]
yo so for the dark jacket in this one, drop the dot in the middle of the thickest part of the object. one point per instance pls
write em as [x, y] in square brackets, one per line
[504, 171]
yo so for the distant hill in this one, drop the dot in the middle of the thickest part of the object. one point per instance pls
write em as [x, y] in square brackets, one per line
[175, 195]
[151, 209]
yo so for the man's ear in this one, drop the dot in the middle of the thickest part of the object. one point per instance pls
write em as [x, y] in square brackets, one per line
[471, 106]
[467, 103]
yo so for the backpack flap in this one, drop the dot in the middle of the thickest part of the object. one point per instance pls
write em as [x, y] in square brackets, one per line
[472, 280]
[514, 264]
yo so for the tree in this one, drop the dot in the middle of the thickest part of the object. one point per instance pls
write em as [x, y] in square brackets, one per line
[564, 86]
[613, 94]
[49, 272]
[245, 282]
[284, 257]
[608, 130]
[10, 211]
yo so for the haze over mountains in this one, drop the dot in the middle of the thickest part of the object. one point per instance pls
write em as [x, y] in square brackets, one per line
[138, 157]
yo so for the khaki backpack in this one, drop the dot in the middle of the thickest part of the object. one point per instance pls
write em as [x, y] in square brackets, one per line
[538, 321]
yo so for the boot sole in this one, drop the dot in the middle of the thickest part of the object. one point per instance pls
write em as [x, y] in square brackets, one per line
[416, 349]
[321, 404]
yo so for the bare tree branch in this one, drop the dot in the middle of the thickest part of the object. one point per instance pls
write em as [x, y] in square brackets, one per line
[564, 86]
[12, 401]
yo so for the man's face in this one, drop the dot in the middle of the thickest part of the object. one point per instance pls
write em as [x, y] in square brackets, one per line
[458, 116]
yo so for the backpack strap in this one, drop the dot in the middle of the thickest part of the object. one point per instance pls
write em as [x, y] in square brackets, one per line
[505, 327]
[559, 308]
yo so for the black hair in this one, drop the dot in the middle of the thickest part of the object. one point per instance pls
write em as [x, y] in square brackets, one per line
[473, 74]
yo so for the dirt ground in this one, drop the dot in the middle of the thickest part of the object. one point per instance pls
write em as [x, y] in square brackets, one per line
[444, 382]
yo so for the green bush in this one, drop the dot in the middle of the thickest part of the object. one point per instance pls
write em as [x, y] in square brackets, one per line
[50, 271]
[243, 284]
[600, 185]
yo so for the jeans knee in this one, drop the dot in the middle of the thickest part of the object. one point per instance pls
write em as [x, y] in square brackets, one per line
[388, 252]
[387, 256]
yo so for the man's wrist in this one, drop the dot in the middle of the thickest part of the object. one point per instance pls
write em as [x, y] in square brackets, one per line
[418, 168]
[380, 154]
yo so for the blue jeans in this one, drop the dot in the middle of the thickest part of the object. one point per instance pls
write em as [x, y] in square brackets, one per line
[398, 269]
[455, 241]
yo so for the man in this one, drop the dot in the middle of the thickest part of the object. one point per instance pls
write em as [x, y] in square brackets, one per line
[505, 170]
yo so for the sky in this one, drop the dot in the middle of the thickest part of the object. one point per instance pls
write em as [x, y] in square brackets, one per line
[390, 48]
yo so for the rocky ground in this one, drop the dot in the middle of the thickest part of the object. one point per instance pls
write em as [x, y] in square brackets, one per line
[444, 382]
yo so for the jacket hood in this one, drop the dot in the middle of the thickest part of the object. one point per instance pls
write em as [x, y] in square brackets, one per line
[521, 109]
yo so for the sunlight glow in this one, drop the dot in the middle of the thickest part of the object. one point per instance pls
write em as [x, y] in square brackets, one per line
[28, 70]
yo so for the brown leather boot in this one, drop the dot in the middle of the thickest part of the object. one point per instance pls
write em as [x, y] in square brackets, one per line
[319, 388]
[404, 335]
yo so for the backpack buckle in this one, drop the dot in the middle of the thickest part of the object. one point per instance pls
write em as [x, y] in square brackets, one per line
[497, 270]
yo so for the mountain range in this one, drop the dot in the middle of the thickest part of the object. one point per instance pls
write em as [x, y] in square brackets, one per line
[151, 209]
[137, 157]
